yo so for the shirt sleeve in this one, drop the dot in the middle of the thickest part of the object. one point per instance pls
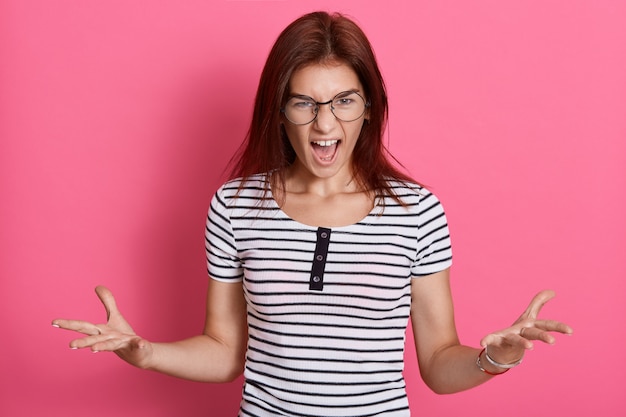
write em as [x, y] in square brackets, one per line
[223, 262]
[434, 250]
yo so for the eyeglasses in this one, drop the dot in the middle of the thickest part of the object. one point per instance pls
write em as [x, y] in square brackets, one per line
[346, 106]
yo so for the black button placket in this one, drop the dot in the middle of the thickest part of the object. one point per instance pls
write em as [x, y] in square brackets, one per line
[316, 281]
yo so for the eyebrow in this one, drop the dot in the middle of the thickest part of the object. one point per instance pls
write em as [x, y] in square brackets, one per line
[351, 90]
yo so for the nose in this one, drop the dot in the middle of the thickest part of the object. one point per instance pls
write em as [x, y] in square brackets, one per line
[325, 119]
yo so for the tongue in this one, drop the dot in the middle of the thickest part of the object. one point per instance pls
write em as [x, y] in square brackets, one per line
[324, 152]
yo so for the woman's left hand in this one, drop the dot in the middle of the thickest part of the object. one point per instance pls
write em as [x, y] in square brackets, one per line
[508, 345]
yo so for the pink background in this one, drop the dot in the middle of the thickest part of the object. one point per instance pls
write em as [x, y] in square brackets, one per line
[117, 119]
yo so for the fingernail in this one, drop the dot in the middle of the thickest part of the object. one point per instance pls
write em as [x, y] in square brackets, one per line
[55, 325]
[95, 351]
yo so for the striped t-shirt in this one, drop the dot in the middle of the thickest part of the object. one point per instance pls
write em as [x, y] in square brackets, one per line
[328, 308]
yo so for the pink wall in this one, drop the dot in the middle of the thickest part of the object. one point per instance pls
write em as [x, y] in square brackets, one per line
[117, 119]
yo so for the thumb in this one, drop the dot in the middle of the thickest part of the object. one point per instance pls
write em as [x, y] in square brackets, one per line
[537, 304]
[106, 297]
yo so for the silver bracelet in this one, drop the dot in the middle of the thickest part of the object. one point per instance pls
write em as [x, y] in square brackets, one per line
[502, 365]
[480, 366]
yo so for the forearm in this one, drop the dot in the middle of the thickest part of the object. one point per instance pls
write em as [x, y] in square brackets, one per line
[453, 369]
[199, 358]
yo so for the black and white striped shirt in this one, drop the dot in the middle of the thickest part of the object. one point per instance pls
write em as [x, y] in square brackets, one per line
[330, 346]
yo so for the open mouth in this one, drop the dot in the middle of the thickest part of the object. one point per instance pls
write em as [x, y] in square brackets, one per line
[325, 149]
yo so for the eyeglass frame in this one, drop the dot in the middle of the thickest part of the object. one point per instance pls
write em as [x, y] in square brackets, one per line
[316, 110]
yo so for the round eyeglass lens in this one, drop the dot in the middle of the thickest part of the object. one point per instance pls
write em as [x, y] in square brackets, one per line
[347, 106]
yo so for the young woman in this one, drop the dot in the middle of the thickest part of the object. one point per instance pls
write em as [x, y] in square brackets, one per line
[319, 253]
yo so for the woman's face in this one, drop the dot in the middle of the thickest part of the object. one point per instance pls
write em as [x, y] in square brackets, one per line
[324, 147]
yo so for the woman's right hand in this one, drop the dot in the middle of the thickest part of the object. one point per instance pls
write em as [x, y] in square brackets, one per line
[116, 335]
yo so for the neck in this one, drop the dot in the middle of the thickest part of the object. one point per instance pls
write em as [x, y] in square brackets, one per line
[301, 181]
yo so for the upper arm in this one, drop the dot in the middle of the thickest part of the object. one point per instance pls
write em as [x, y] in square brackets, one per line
[226, 320]
[432, 316]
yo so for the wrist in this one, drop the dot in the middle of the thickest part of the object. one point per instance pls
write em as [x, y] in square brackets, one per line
[501, 356]
[501, 365]
[490, 366]
[486, 367]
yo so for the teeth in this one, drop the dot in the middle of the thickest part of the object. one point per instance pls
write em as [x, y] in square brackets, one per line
[325, 142]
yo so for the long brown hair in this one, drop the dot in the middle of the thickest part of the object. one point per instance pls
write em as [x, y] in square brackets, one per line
[314, 38]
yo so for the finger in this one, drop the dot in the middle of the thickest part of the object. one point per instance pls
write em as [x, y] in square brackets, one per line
[113, 344]
[106, 297]
[104, 341]
[81, 326]
[512, 337]
[87, 342]
[533, 333]
[537, 303]
[491, 339]
[553, 326]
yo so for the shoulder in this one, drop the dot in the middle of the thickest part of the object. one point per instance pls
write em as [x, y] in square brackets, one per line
[243, 193]
[254, 186]
[247, 185]
[412, 194]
